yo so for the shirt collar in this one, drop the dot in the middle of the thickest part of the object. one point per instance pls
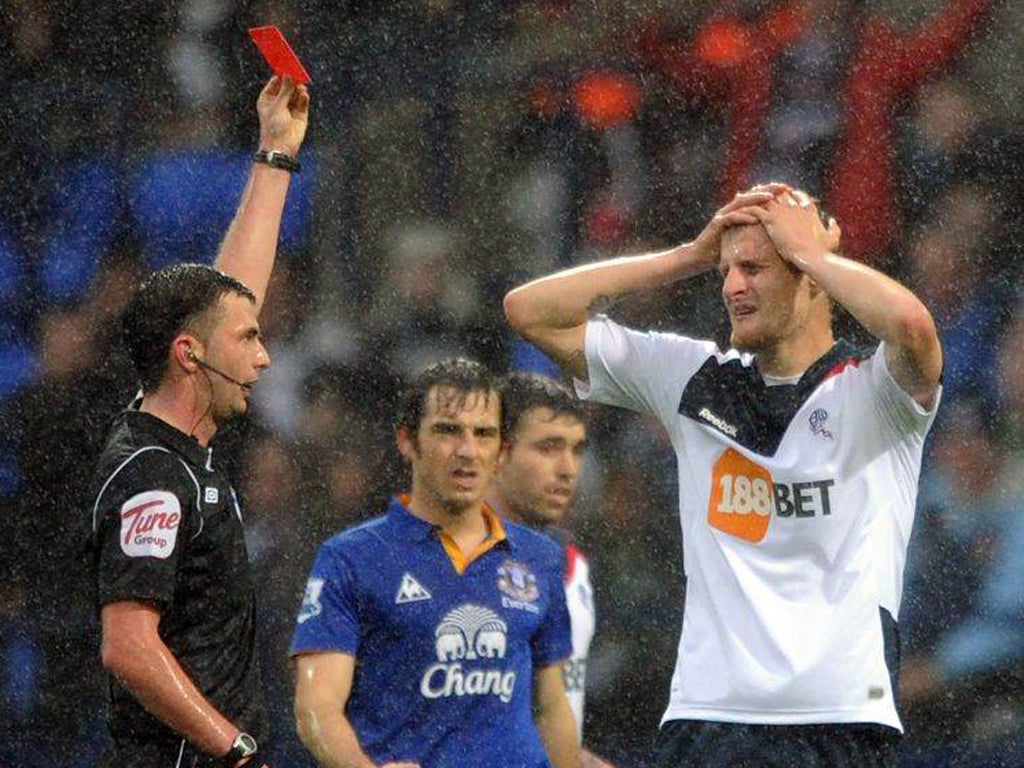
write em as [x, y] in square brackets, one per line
[413, 528]
[174, 438]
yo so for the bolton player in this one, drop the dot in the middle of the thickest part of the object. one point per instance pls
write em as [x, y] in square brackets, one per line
[435, 634]
[545, 438]
[175, 595]
[798, 460]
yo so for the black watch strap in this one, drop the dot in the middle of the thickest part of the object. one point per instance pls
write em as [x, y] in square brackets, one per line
[281, 160]
[242, 747]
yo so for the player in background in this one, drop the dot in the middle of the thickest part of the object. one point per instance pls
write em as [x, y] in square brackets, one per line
[435, 634]
[545, 438]
[798, 460]
[175, 596]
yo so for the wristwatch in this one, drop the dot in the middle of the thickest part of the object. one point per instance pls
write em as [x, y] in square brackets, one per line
[242, 747]
[280, 160]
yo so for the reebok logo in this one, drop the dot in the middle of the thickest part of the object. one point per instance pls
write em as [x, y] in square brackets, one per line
[718, 422]
[410, 590]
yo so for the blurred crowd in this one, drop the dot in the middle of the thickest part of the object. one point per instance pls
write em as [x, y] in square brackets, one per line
[456, 148]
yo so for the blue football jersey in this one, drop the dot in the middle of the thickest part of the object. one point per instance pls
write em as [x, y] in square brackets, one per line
[444, 661]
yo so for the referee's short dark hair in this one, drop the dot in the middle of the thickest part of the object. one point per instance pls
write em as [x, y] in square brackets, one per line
[522, 392]
[462, 376]
[169, 301]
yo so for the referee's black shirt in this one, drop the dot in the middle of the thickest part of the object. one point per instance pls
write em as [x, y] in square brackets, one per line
[167, 531]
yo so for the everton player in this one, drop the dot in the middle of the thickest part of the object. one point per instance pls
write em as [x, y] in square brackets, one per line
[435, 634]
[798, 460]
[175, 596]
[545, 438]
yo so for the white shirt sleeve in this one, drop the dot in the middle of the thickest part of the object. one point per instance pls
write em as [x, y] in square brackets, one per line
[900, 412]
[642, 371]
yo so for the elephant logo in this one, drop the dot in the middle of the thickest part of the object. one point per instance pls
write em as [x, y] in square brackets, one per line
[450, 643]
[470, 632]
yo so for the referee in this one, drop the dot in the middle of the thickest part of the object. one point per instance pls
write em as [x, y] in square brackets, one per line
[174, 590]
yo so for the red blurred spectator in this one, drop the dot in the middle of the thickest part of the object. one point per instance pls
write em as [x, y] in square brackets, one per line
[732, 60]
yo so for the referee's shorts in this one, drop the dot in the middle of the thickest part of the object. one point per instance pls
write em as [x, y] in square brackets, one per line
[155, 753]
[706, 744]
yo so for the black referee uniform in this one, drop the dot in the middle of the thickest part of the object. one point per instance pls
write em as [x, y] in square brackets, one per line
[167, 531]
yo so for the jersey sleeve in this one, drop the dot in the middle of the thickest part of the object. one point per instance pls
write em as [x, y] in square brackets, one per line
[141, 523]
[552, 643]
[328, 619]
[642, 371]
[900, 412]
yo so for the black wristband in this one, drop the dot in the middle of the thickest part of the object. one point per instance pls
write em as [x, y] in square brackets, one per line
[280, 160]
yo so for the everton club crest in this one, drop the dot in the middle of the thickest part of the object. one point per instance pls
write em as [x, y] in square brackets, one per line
[518, 582]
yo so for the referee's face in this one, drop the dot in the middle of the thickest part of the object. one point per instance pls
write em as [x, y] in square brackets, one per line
[235, 348]
[455, 450]
[767, 299]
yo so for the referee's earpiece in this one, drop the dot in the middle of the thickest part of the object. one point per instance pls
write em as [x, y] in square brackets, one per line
[191, 355]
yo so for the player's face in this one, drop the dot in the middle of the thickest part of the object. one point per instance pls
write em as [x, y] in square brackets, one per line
[540, 469]
[455, 451]
[768, 301]
[235, 347]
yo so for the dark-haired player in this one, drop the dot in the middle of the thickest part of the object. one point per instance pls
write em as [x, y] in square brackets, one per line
[435, 634]
[545, 439]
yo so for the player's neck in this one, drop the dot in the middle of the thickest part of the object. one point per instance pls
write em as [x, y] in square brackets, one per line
[497, 502]
[181, 412]
[795, 354]
[464, 524]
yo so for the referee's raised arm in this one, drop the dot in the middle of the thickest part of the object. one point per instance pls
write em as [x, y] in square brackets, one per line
[250, 245]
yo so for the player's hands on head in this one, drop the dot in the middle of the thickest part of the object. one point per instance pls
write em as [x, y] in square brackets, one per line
[794, 225]
[736, 212]
[283, 108]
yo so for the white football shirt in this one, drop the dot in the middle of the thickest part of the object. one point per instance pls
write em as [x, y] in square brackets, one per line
[579, 597]
[796, 504]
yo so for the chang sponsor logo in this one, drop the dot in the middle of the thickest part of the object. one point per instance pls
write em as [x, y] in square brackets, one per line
[469, 633]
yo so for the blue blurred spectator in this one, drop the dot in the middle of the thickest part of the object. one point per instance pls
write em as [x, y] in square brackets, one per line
[86, 212]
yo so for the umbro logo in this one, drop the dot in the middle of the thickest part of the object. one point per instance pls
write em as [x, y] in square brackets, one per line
[410, 590]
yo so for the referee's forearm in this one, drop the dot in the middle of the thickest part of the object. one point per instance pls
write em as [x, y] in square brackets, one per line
[152, 674]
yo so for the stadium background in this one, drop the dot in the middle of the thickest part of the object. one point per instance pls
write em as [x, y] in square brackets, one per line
[457, 147]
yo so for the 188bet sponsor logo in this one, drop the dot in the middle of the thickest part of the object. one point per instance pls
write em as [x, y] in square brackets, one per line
[744, 497]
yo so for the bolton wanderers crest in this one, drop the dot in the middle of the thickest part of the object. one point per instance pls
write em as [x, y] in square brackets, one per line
[517, 581]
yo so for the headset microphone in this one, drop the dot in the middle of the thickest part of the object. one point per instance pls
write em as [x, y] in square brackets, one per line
[203, 364]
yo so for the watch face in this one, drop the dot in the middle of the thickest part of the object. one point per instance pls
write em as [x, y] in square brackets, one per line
[245, 744]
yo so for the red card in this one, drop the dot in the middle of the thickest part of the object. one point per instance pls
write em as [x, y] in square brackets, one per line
[279, 54]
